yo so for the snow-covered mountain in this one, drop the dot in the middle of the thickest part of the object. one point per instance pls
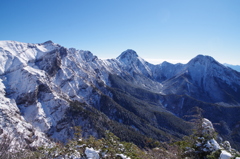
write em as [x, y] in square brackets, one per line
[49, 89]
[205, 79]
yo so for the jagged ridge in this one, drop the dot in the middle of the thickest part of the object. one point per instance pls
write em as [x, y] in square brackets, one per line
[123, 91]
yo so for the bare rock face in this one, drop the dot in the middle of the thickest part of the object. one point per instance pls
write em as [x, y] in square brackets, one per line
[51, 62]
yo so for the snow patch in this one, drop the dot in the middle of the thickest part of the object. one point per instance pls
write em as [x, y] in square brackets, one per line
[225, 155]
[123, 156]
[91, 153]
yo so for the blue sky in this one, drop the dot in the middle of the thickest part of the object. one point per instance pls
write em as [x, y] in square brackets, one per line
[172, 30]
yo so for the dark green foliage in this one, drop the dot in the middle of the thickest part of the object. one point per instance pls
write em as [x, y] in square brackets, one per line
[194, 146]
[129, 117]
[226, 117]
[145, 105]
[109, 147]
[214, 155]
[100, 123]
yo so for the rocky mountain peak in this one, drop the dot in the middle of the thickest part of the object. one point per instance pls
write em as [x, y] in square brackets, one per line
[202, 59]
[165, 63]
[128, 55]
[48, 42]
[88, 56]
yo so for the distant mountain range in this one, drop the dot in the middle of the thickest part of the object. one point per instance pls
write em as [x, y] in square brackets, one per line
[235, 67]
[46, 89]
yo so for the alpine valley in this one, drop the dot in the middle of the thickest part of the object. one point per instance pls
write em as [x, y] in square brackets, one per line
[47, 89]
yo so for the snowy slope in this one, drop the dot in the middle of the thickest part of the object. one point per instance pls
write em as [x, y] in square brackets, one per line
[205, 79]
[15, 128]
[40, 81]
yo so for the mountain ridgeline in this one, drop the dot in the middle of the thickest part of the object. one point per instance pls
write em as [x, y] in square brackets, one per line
[47, 89]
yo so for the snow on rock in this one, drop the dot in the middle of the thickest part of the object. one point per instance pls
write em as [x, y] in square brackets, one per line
[15, 130]
[74, 155]
[206, 142]
[226, 145]
[91, 153]
[225, 155]
[207, 126]
[211, 145]
[123, 156]
[133, 63]
[41, 79]
[127, 56]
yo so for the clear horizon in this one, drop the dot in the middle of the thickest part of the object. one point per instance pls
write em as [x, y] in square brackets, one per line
[157, 29]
